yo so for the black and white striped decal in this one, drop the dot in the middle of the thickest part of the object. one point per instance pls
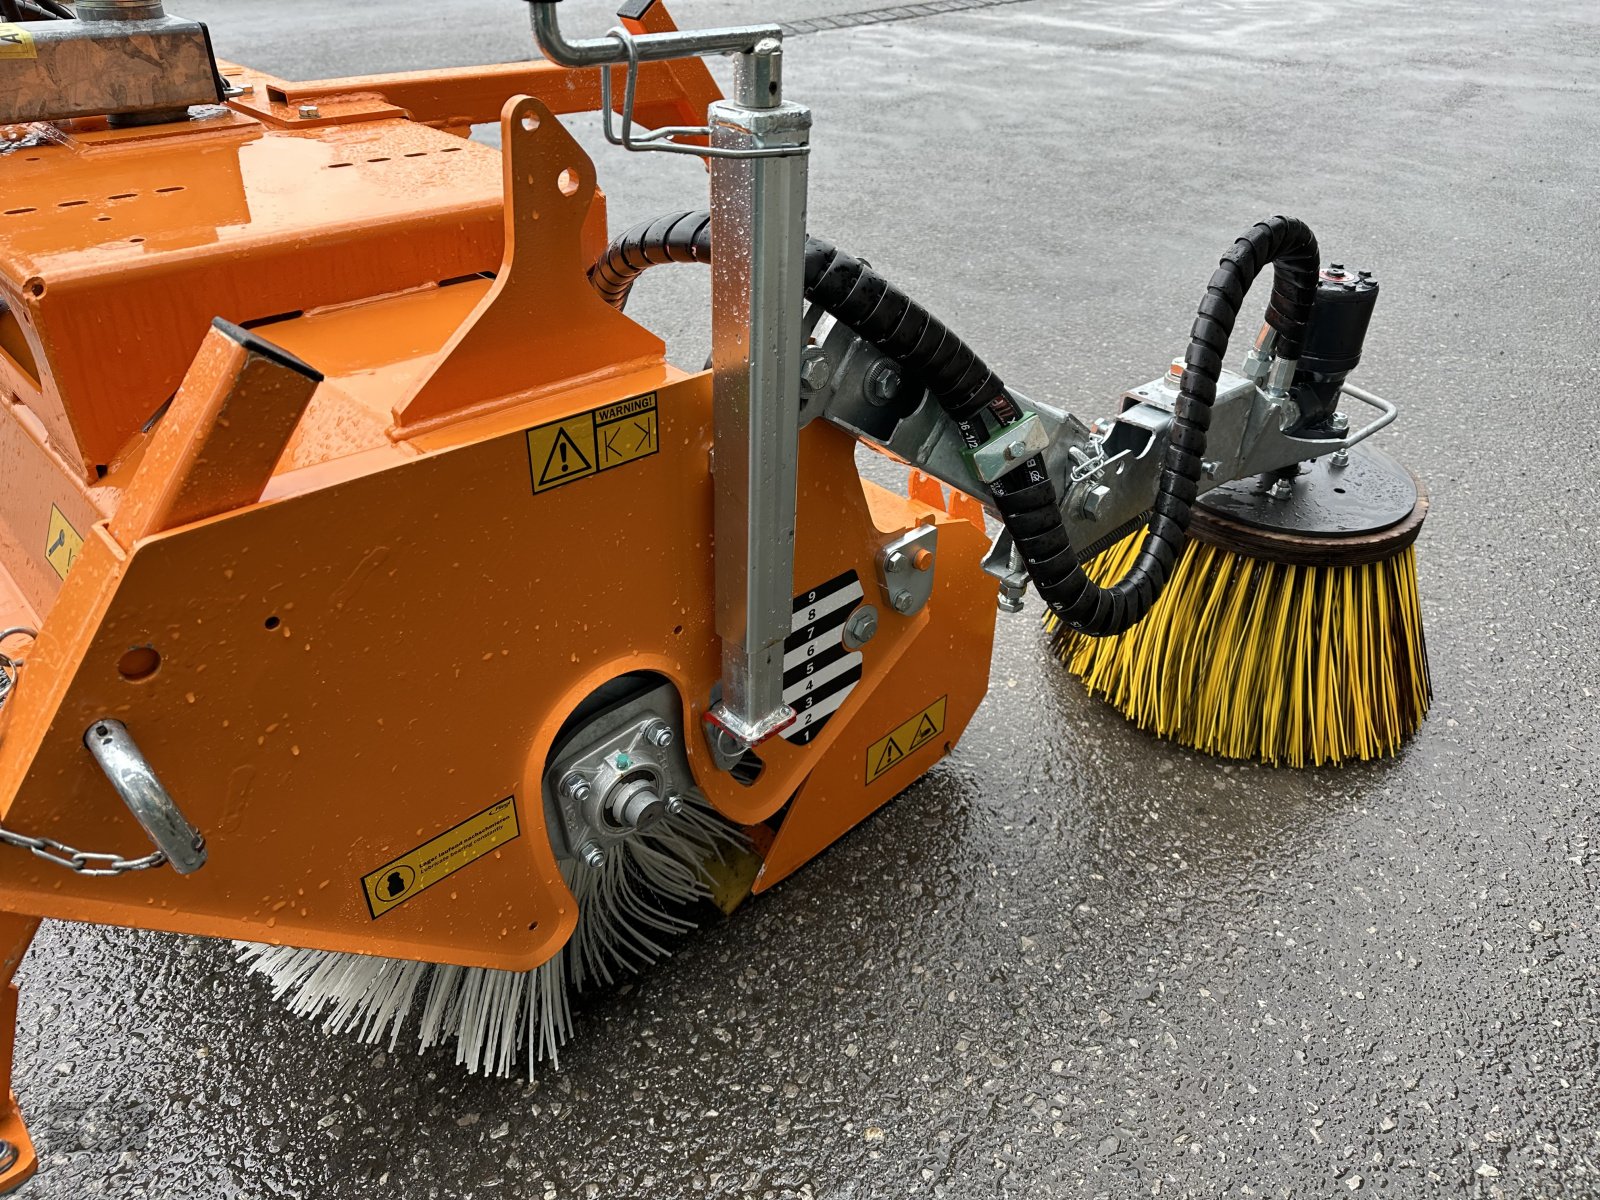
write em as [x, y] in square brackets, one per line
[818, 672]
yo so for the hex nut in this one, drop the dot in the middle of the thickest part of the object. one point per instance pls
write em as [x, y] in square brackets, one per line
[860, 628]
[1094, 501]
[815, 370]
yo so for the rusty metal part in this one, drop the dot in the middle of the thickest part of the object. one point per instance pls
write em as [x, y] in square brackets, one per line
[133, 65]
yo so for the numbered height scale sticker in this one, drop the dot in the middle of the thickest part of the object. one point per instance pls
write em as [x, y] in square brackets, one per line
[819, 673]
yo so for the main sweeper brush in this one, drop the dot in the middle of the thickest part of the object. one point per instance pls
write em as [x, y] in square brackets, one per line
[378, 597]
[631, 902]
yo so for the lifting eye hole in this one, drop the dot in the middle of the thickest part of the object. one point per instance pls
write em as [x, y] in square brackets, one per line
[271, 623]
[567, 181]
[530, 122]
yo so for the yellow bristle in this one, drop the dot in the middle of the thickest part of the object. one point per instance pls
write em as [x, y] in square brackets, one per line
[1246, 658]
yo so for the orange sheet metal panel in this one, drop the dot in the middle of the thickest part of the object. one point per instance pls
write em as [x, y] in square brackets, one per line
[103, 250]
[349, 672]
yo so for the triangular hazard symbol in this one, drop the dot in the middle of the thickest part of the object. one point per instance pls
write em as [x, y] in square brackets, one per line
[565, 460]
[925, 730]
[891, 755]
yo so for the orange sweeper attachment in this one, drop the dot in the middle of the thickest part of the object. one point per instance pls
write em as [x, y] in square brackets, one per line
[325, 433]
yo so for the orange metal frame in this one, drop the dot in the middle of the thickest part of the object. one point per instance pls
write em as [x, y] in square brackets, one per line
[335, 614]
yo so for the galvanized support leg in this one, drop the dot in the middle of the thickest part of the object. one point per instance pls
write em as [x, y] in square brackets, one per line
[758, 224]
[757, 296]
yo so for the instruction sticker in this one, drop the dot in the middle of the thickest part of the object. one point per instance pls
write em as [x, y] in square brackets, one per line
[913, 735]
[392, 884]
[580, 446]
[16, 42]
[61, 543]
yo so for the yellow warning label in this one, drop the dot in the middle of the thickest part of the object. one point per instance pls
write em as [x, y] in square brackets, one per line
[62, 542]
[905, 739]
[584, 445]
[416, 871]
[16, 42]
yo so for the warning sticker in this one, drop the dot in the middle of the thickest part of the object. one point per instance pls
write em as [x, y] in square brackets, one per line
[906, 739]
[578, 447]
[16, 42]
[62, 542]
[416, 871]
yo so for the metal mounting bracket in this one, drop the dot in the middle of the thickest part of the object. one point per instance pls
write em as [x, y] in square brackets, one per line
[905, 569]
[1010, 448]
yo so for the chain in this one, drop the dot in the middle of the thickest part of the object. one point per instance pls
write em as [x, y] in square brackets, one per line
[81, 861]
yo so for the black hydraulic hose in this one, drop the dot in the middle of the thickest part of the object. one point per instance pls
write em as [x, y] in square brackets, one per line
[967, 389]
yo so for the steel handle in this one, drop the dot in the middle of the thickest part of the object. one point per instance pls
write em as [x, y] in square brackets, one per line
[1386, 408]
[653, 47]
[118, 755]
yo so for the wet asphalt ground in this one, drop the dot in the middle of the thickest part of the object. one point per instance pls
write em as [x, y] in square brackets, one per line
[1070, 961]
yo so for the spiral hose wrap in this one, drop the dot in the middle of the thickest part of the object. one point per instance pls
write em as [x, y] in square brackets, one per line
[970, 392]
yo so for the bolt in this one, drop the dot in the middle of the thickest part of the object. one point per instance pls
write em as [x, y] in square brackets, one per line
[1211, 466]
[1094, 501]
[861, 628]
[592, 855]
[815, 370]
[1175, 372]
[922, 560]
[1010, 598]
[1338, 422]
[1017, 449]
[895, 563]
[1281, 489]
[658, 734]
[309, 112]
[882, 383]
[1341, 458]
[1335, 268]
[575, 787]
[904, 602]
[674, 805]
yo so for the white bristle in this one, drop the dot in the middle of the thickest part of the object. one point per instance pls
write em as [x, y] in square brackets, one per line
[625, 914]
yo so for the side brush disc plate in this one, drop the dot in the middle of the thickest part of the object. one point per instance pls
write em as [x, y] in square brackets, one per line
[1362, 512]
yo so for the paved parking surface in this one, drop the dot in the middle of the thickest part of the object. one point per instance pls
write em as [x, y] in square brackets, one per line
[1070, 961]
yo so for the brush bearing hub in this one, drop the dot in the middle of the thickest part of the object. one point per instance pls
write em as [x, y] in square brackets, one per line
[1363, 510]
[619, 771]
[635, 803]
